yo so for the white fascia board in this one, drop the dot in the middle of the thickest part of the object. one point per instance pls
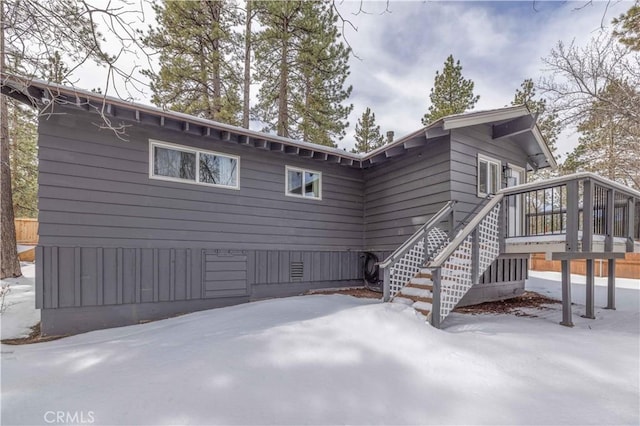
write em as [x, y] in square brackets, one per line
[544, 147]
[471, 119]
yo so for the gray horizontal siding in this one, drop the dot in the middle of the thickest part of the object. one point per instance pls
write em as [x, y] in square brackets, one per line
[466, 143]
[401, 194]
[95, 190]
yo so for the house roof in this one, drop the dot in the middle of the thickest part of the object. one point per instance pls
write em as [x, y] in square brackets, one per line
[515, 122]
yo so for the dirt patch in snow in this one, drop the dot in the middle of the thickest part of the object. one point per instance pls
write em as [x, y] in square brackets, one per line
[361, 292]
[33, 337]
[528, 299]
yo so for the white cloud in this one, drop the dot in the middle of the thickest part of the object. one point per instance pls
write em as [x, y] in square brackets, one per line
[398, 52]
[499, 44]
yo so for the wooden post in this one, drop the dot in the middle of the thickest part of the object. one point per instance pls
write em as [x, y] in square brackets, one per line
[503, 225]
[435, 305]
[631, 211]
[386, 290]
[572, 216]
[590, 308]
[587, 215]
[587, 240]
[608, 241]
[611, 284]
[475, 257]
[566, 294]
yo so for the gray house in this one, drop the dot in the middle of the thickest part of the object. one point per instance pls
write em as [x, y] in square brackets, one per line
[171, 213]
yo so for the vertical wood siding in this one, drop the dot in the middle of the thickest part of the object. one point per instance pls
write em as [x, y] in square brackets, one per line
[73, 277]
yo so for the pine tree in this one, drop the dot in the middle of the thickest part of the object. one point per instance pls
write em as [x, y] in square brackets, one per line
[450, 94]
[55, 70]
[609, 143]
[248, 43]
[324, 70]
[367, 135]
[199, 72]
[302, 69]
[23, 136]
[547, 120]
[628, 31]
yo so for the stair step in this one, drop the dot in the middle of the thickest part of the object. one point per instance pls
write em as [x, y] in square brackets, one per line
[420, 281]
[421, 286]
[403, 300]
[416, 299]
[416, 291]
[427, 275]
[423, 312]
[423, 306]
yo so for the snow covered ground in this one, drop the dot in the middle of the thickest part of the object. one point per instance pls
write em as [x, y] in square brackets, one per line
[21, 313]
[331, 359]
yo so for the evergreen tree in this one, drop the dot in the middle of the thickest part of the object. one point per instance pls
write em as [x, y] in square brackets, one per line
[248, 43]
[628, 31]
[55, 70]
[323, 71]
[23, 136]
[367, 135]
[609, 143]
[302, 69]
[199, 72]
[450, 94]
[547, 120]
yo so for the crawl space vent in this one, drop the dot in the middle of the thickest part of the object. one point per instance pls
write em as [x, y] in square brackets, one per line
[296, 271]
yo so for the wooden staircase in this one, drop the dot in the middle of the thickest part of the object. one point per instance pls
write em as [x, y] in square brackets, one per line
[597, 219]
[418, 293]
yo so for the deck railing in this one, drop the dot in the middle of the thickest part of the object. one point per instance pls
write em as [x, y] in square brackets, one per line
[569, 205]
[564, 205]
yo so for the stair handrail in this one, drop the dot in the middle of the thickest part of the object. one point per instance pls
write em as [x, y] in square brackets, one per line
[410, 242]
[460, 225]
[442, 257]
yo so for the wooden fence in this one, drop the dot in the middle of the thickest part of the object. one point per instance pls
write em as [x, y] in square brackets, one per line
[27, 235]
[27, 231]
[629, 267]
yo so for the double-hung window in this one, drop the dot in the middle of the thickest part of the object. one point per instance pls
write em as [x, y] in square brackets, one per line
[303, 183]
[183, 164]
[488, 175]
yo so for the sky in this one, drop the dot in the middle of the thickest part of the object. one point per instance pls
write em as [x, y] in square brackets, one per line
[399, 45]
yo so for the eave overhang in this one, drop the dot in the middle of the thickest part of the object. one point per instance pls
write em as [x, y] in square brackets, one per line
[516, 123]
[46, 96]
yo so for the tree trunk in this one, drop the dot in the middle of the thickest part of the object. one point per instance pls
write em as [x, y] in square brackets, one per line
[283, 112]
[216, 76]
[247, 67]
[9, 263]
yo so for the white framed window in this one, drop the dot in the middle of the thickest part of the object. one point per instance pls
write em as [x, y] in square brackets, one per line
[488, 175]
[303, 183]
[179, 163]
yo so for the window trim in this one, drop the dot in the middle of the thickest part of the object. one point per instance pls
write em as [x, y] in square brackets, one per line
[489, 161]
[176, 147]
[299, 169]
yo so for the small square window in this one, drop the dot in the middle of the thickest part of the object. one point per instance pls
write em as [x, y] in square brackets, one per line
[303, 183]
[488, 175]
